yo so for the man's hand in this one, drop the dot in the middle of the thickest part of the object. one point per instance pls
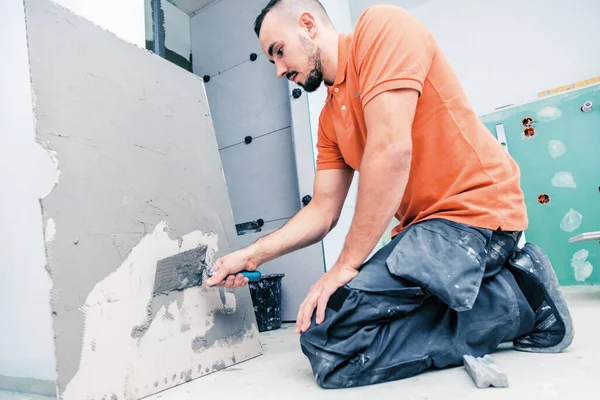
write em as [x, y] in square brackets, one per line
[228, 266]
[319, 295]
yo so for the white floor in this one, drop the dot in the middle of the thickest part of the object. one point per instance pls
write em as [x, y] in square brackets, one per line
[283, 372]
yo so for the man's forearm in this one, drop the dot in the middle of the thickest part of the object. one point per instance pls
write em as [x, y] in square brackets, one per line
[383, 178]
[308, 226]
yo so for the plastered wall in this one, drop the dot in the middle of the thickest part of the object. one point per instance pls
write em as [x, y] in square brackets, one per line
[140, 180]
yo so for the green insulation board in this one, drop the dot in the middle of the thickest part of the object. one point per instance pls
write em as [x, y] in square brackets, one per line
[558, 152]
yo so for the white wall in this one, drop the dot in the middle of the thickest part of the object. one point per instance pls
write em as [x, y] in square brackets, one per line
[505, 52]
[124, 18]
[26, 173]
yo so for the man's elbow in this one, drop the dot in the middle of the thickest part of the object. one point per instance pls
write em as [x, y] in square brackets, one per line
[330, 221]
[333, 223]
[398, 154]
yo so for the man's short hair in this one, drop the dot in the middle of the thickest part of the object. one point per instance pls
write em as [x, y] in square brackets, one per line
[316, 4]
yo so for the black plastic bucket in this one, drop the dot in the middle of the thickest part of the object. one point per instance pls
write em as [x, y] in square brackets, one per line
[266, 298]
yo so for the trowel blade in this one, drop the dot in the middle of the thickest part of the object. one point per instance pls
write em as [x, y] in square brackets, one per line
[180, 271]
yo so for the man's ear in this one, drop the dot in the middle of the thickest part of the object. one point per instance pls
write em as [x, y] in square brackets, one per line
[308, 22]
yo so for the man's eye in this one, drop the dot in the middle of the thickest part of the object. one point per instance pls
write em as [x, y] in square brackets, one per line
[280, 52]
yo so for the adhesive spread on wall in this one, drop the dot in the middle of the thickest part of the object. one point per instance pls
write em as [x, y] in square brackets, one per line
[564, 179]
[549, 114]
[130, 363]
[556, 148]
[571, 221]
[582, 268]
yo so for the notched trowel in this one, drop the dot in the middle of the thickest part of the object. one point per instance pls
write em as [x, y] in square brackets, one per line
[185, 270]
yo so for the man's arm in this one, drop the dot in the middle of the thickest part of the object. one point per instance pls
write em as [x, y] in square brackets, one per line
[384, 172]
[308, 226]
[312, 223]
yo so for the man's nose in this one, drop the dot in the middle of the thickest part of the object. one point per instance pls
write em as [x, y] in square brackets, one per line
[281, 71]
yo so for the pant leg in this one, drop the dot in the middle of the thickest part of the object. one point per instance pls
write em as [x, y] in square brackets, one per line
[436, 292]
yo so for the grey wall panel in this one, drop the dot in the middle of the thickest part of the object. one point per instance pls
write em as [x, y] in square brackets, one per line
[248, 100]
[140, 180]
[261, 178]
[301, 268]
[223, 35]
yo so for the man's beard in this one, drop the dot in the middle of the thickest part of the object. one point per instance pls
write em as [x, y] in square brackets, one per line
[315, 76]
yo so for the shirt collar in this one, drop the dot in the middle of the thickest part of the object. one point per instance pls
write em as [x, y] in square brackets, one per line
[343, 51]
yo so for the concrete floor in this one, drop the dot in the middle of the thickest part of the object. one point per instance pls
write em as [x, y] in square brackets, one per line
[284, 373]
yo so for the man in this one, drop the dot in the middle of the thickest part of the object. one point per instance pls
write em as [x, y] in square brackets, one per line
[453, 280]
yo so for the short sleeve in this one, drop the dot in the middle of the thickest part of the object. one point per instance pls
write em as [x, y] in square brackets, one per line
[392, 50]
[329, 155]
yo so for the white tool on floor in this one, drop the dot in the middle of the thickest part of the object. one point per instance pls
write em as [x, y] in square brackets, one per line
[485, 372]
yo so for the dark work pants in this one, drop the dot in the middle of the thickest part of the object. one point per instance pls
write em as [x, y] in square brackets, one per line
[438, 291]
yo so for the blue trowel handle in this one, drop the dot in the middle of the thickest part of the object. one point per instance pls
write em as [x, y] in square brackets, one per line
[253, 276]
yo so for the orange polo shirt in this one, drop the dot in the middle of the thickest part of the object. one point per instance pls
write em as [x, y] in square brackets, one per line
[459, 171]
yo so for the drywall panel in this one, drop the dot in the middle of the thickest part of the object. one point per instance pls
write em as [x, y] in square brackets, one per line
[140, 180]
[299, 268]
[560, 176]
[261, 178]
[220, 45]
[26, 173]
[248, 100]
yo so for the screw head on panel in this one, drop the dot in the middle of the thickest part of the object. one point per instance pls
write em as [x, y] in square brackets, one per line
[296, 93]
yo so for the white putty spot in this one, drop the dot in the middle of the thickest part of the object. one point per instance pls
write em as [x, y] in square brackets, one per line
[549, 114]
[571, 221]
[50, 231]
[129, 366]
[556, 148]
[582, 268]
[564, 179]
[456, 286]
[472, 254]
